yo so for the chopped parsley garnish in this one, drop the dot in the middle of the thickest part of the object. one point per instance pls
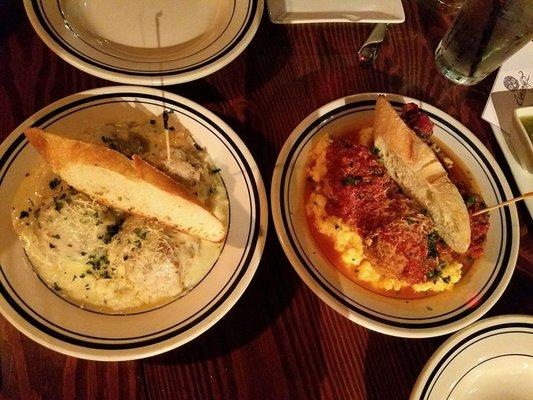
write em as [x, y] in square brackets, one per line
[470, 200]
[376, 150]
[434, 274]
[83, 253]
[54, 183]
[24, 214]
[97, 262]
[112, 230]
[432, 241]
[410, 221]
[125, 258]
[58, 204]
[56, 287]
[52, 246]
[215, 171]
[140, 233]
[351, 180]
[105, 275]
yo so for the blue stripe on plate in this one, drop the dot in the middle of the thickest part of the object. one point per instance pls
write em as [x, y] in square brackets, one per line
[54, 35]
[351, 304]
[134, 341]
[61, 11]
[446, 359]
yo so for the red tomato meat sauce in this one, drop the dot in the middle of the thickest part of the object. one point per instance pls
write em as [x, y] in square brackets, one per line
[398, 235]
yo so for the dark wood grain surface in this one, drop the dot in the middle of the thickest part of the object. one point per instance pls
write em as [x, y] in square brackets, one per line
[279, 341]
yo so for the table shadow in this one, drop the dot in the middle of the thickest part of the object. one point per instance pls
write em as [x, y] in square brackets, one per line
[258, 63]
[199, 91]
[410, 355]
[12, 16]
[268, 295]
[402, 359]
[266, 54]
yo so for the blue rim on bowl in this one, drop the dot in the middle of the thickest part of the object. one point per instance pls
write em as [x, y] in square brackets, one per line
[64, 29]
[46, 318]
[479, 356]
[436, 315]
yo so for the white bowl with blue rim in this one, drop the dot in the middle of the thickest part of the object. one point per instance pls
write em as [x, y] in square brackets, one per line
[492, 359]
[440, 314]
[54, 322]
[156, 43]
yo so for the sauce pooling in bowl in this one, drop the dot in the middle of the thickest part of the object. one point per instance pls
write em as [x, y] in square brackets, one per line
[374, 233]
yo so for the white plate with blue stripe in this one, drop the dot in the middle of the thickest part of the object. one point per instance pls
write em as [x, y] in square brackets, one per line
[491, 359]
[472, 296]
[62, 326]
[155, 43]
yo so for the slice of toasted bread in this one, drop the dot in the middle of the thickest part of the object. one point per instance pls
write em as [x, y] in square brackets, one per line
[412, 164]
[133, 186]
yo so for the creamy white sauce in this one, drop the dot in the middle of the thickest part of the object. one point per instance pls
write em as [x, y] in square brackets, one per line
[110, 261]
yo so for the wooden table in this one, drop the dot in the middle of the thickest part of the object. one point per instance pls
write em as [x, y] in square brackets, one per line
[279, 341]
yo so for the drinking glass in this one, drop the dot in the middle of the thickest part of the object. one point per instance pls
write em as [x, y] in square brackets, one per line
[483, 35]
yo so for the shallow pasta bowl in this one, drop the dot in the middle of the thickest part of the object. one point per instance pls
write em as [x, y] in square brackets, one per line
[160, 42]
[54, 322]
[435, 315]
[491, 359]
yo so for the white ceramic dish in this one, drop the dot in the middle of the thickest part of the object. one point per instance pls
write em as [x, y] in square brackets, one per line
[490, 360]
[52, 321]
[305, 11]
[436, 315]
[523, 178]
[521, 140]
[156, 43]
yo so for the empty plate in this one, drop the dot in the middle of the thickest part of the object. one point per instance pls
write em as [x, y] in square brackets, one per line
[492, 359]
[159, 42]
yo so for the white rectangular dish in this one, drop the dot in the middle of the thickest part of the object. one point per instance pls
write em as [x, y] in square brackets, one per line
[309, 11]
[512, 90]
[523, 178]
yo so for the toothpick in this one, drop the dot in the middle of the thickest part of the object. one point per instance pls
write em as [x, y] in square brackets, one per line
[505, 203]
[167, 142]
[167, 135]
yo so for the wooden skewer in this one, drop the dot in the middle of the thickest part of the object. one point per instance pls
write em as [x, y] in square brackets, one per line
[167, 144]
[167, 136]
[525, 196]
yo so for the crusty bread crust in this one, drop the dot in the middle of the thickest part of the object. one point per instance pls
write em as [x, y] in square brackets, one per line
[67, 155]
[414, 166]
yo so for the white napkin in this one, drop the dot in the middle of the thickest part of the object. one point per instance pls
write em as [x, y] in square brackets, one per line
[513, 88]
